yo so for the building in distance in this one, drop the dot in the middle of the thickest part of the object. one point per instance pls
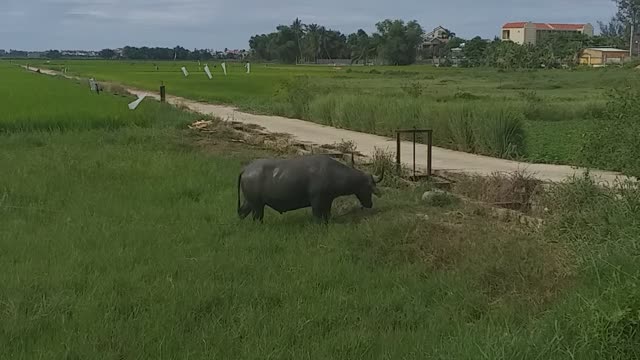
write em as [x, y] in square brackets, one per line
[532, 33]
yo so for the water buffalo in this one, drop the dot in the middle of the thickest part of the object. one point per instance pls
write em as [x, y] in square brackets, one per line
[311, 180]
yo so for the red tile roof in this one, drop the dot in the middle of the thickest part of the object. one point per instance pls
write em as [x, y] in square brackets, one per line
[544, 26]
[514, 25]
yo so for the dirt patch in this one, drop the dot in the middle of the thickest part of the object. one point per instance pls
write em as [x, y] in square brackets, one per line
[515, 190]
[280, 143]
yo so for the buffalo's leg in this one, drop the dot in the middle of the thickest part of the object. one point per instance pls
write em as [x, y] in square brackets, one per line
[326, 214]
[244, 210]
[258, 213]
[321, 210]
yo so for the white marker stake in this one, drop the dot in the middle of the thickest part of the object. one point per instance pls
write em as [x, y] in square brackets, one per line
[206, 70]
[134, 105]
[185, 72]
[224, 68]
[248, 68]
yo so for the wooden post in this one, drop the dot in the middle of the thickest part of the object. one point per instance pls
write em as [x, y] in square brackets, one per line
[398, 164]
[429, 152]
[163, 93]
[414, 152]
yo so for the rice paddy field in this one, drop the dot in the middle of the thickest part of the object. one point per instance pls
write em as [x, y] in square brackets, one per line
[538, 116]
[119, 239]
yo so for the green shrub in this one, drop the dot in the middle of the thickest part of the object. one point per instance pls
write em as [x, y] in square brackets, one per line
[501, 132]
[461, 129]
[614, 143]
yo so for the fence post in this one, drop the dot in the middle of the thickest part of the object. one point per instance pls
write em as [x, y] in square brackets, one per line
[163, 93]
[398, 164]
[414, 151]
[429, 152]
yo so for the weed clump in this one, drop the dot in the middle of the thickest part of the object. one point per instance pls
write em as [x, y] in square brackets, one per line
[413, 89]
[298, 92]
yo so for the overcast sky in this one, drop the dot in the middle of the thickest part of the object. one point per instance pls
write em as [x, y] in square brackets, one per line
[97, 24]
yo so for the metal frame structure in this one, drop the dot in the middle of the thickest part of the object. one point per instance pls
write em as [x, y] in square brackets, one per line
[415, 131]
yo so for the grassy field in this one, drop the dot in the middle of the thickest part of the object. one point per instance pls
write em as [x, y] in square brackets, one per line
[542, 115]
[119, 240]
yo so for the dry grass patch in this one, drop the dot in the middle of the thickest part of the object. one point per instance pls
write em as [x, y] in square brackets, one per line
[514, 190]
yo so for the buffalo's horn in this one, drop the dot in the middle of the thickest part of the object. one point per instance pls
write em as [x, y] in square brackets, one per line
[378, 179]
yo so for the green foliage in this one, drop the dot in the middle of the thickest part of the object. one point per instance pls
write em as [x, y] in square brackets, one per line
[552, 51]
[299, 93]
[299, 42]
[589, 215]
[474, 51]
[361, 46]
[399, 42]
[472, 127]
[502, 133]
[614, 142]
[413, 89]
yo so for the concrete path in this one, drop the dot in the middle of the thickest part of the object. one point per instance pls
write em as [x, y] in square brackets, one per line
[443, 159]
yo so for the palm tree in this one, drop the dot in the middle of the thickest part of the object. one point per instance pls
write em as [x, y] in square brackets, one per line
[322, 41]
[298, 28]
[313, 35]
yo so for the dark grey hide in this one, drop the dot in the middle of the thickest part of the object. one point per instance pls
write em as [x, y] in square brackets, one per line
[306, 181]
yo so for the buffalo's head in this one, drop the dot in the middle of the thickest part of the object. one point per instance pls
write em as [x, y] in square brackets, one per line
[369, 188]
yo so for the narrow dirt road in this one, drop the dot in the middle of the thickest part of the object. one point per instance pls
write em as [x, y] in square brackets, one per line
[443, 159]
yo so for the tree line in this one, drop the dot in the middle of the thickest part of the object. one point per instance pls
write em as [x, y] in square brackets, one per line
[148, 53]
[176, 53]
[398, 43]
[395, 40]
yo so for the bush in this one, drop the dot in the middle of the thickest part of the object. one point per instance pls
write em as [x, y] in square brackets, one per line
[501, 133]
[586, 214]
[614, 143]
[461, 130]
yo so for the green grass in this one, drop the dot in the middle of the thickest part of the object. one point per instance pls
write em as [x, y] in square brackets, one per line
[123, 243]
[35, 102]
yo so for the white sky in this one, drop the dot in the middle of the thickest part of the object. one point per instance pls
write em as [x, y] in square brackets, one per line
[97, 24]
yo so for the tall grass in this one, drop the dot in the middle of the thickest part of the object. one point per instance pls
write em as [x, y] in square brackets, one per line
[470, 126]
[614, 141]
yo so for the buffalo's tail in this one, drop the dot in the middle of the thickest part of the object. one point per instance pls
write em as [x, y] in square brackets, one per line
[239, 178]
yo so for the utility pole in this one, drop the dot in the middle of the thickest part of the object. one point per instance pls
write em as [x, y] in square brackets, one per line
[631, 40]
[634, 21]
